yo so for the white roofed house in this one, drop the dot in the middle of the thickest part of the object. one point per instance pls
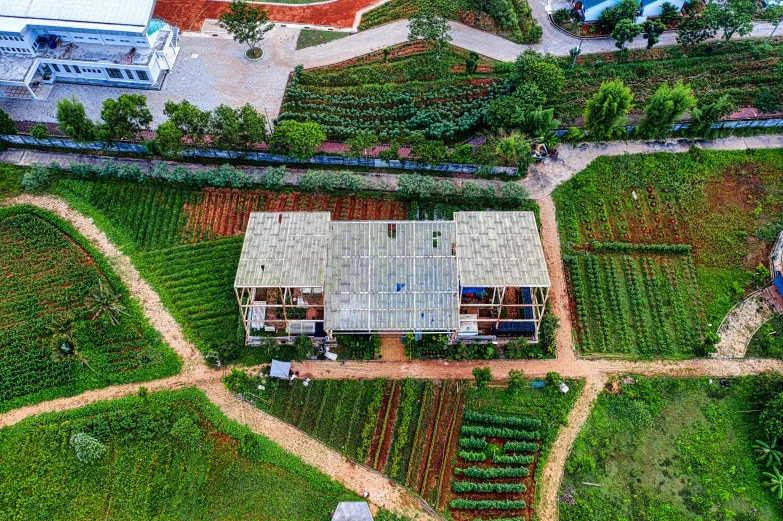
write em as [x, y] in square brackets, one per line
[100, 42]
[481, 275]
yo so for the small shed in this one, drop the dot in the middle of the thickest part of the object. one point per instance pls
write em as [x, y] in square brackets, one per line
[352, 511]
[280, 369]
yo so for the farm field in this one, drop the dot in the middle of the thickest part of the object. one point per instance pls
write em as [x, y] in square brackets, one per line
[414, 432]
[409, 91]
[174, 230]
[672, 449]
[168, 455]
[52, 343]
[659, 246]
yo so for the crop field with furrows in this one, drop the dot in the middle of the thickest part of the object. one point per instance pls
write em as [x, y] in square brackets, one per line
[153, 216]
[405, 429]
[49, 273]
[659, 246]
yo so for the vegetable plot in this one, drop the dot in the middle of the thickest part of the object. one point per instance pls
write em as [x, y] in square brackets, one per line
[51, 342]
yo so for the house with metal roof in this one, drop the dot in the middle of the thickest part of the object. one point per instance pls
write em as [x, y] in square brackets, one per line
[590, 10]
[100, 42]
[482, 274]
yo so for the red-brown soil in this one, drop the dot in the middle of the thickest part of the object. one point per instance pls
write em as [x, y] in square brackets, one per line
[422, 449]
[189, 15]
[391, 424]
[376, 435]
[439, 444]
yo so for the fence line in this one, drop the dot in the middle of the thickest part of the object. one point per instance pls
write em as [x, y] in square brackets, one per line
[729, 124]
[367, 162]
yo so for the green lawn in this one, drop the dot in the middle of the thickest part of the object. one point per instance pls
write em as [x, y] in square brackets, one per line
[219, 470]
[649, 274]
[669, 449]
[311, 37]
[768, 340]
[49, 274]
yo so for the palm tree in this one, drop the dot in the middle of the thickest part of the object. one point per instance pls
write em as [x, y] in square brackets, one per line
[103, 301]
[62, 326]
[768, 452]
[775, 481]
[512, 148]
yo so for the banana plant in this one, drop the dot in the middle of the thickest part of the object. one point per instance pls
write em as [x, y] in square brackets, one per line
[768, 452]
[775, 481]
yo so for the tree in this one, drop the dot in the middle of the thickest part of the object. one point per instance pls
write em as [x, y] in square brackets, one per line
[72, 119]
[512, 149]
[624, 33]
[774, 15]
[693, 30]
[771, 418]
[541, 71]
[125, 117]
[607, 109]
[731, 16]
[239, 129]
[36, 179]
[552, 379]
[168, 139]
[480, 6]
[768, 452]
[666, 106]
[445, 188]
[103, 301]
[247, 24]
[88, 449]
[483, 376]
[704, 116]
[516, 381]
[7, 125]
[429, 26]
[362, 144]
[651, 32]
[775, 481]
[513, 113]
[625, 10]
[513, 193]
[39, 131]
[189, 119]
[297, 139]
[669, 13]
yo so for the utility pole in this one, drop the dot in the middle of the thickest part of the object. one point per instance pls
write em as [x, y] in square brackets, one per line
[576, 52]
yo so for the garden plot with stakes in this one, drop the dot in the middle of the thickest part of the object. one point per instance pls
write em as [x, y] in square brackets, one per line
[659, 246]
[55, 339]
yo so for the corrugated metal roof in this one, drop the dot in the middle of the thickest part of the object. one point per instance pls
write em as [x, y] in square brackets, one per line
[499, 249]
[283, 249]
[122, 12]
[391, 276]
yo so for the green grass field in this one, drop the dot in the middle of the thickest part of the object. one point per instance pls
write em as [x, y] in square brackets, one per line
[659, 246]
[208, 467]
[670, 449]
[49, 272]
[312, 37]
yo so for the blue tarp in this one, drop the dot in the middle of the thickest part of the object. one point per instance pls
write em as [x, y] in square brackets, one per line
[473, 290]
[778, 281]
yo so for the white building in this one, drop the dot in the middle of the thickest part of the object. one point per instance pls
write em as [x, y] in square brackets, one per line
[100, 42]
[590, 10]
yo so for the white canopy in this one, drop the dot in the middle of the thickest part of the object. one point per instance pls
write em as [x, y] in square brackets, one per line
[280, 369]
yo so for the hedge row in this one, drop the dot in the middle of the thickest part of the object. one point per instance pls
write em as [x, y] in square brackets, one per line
[521, 446]
[470, 486]
[499, 432]
[486, 504]
[493, 472]
[508, 421]
[472, 456]
[518, 459]
[625, 247]
[473, 443]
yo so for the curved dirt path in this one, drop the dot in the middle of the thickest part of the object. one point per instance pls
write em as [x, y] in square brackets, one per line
[195, 372]
[741, 323]
[554, 469]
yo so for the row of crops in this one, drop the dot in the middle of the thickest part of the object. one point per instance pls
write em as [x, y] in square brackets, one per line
[636, 304]
[495, 465]
[49, 272]
[443, 113]
[402, 428]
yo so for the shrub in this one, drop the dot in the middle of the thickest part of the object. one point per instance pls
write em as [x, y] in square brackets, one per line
[521, 446]
[482, 375]
[493, 419]
[607, 109]
[7, 125]
[37, 178]
[40, 131]
[186, 432]
[461, 487]
[297, 139]
[492, 472]
[88, 449]
[511, 459]
[472, 456]
[485, 504]
[473, 443]
[499, 432]
[669, 13]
